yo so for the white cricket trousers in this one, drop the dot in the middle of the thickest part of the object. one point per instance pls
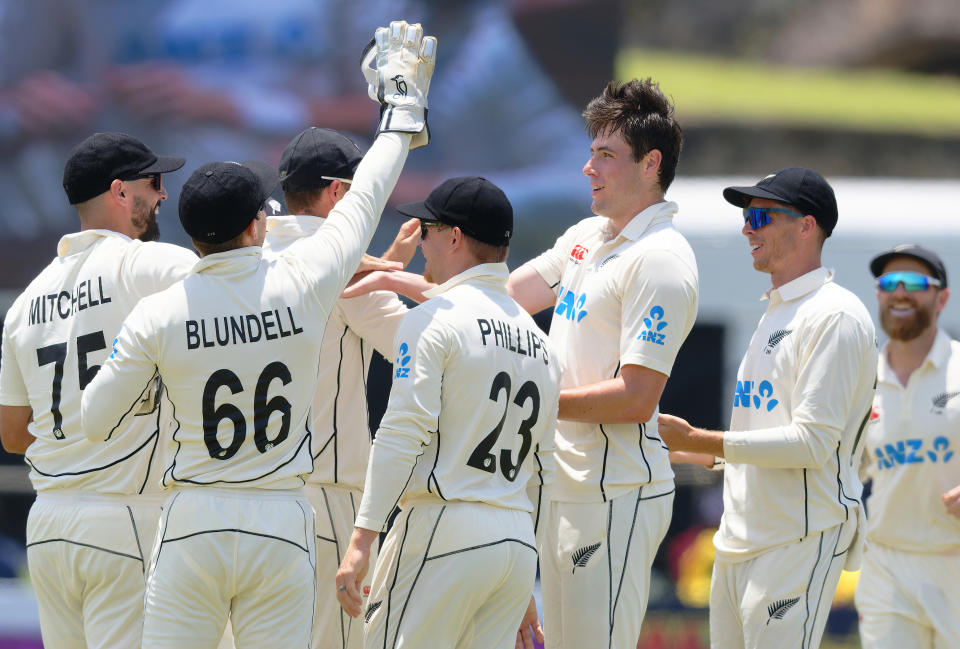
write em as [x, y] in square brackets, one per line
[335, 509]
[87, 554]
[243, 553]
[595, 568]
[780, 598]
[452, 576]
[908, 599]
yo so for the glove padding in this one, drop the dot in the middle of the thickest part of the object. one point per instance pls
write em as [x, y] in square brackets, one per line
[405, 60]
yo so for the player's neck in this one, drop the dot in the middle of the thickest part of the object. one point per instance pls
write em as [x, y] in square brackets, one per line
[906, 356]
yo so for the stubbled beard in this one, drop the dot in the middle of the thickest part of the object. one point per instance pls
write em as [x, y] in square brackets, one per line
[906, 329]
[145, 219]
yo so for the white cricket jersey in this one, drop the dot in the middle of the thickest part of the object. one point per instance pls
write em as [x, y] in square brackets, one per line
[631, 300]
[911, 450]
[803, 394]
[357, 326]
[238, 346]
[56, 335]
[475, 388]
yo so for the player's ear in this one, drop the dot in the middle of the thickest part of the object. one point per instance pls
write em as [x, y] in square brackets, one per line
[117, 190]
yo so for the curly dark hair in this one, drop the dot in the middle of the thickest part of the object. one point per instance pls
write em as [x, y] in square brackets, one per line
[639, 111]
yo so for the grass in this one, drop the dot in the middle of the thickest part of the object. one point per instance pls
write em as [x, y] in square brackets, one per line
[710, 90]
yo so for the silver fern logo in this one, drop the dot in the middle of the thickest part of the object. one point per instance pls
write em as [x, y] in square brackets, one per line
[940, 401]
[371, 609]
[582, 556]
[779, 608]
[775, 339]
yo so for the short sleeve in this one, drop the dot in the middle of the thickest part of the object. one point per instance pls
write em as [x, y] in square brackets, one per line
[659, 306]
[13, 390]
[551, 263]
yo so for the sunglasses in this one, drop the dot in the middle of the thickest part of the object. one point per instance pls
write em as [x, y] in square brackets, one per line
[428, 224]
[760, 216]
[154, 180]
[911, 281]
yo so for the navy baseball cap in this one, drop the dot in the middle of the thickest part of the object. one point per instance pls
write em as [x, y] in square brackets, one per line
[314, 153]
[913, 251]
[473, 204]
[803, 188]
[220, 199]
[103, 157]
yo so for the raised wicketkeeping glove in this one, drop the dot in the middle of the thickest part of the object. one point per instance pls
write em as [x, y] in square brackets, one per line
[404, 64]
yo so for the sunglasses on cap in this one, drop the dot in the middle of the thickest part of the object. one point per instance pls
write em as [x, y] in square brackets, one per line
[154, 180]
[760, 216]
[428, 224]
[911, 281]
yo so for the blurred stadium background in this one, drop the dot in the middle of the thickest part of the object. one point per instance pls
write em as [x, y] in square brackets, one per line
[861, 89]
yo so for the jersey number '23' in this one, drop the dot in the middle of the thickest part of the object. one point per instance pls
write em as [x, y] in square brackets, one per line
[482, 458]
[261, 411]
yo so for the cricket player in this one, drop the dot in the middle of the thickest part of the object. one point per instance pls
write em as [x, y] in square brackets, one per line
[90, 530]
[474, 390]
[317, 169]
[623, 286]
[907, 594]
[791, 493]
[238, 345]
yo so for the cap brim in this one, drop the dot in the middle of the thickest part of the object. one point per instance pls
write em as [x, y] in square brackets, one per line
[164, 165]
[266, 174]
[418, 210]
[740, 196]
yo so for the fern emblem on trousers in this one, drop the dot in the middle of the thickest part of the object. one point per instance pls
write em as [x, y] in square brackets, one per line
[779, 608]
[582, 556]
[370, 611]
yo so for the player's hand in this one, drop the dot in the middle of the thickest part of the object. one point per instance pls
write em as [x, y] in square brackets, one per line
[353, 568]
[673, 430]
[952, 501]
[405, 60]
[369, 264]
[530, 628]
[404, 246]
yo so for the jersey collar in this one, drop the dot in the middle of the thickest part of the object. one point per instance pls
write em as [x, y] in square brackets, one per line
[492, 274]
[639, 224]
[801, 286]
[293, 225]
[75, 242]
[937, 357]
[231, 262]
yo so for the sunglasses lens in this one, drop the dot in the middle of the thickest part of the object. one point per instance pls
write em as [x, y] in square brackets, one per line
[757, 216]
[911, 282]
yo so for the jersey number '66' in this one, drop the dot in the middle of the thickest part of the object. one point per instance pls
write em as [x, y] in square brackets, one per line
[261, 411]
[482, 458]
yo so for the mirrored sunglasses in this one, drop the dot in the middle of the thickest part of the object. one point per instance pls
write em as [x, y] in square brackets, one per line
[760, 216]
[911, 281]
[428, 224]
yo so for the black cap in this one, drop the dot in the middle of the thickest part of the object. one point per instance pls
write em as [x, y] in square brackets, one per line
[314, 153]
[221, 198]
[473, 204]
[913, 251]
[103, 157]
[803, 188]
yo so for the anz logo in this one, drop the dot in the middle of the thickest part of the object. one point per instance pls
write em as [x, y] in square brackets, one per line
[911, 451]
[570, 305]
[655, 324]
[401, 371]
[762, 400]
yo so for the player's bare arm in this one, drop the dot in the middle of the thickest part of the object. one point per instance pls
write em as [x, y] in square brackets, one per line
[531, 291]
[681, 437]
[629, 398]
[13, 428]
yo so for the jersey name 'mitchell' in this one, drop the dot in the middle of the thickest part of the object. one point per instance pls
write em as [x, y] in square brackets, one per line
[64, 304]
[510, 336]
[241, 329]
